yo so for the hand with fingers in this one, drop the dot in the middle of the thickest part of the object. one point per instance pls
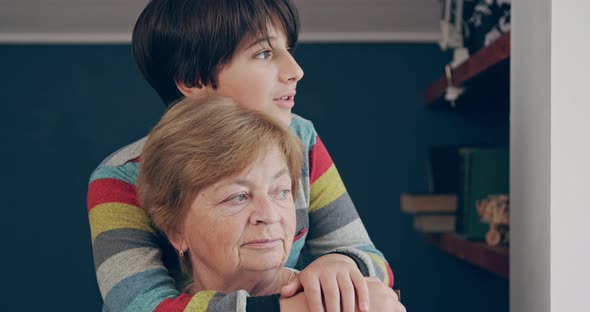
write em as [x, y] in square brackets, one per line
[383, 298]
[337, 280]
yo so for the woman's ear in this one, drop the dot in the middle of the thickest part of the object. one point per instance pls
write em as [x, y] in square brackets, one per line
[177, 240]
[190, 91]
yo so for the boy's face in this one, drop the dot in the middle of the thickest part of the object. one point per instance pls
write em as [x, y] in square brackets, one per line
[262, 77]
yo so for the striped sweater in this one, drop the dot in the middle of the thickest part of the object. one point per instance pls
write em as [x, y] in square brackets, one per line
[134, 264]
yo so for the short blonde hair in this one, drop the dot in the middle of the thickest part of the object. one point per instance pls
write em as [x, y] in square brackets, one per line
[199, 142]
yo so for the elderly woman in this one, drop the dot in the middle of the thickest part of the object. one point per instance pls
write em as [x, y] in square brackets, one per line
[217, 180]
[220, 181]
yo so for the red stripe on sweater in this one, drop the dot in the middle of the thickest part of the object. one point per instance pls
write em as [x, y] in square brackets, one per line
[390, 274]
[300, 235]
[174, 304]
[111, 191]
[136, 159]
[319, 160]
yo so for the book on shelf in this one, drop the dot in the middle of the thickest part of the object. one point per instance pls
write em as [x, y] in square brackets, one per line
[482, 172]
[435, 223]
[473, 173]
[428, 203]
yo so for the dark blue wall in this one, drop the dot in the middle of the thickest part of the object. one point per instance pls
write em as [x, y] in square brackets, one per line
[64, 108]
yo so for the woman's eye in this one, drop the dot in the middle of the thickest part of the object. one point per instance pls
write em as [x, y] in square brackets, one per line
[239, 198]
[263, 55]
[283, 194]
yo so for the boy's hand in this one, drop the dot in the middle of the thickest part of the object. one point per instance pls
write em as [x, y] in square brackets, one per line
[383, 297]
[338, 278]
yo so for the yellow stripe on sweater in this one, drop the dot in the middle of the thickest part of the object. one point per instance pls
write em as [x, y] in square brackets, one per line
[381, 263]
[200, 301]
[112, 216]
[326, 189]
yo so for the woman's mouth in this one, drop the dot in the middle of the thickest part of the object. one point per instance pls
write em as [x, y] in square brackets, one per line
[264, 243]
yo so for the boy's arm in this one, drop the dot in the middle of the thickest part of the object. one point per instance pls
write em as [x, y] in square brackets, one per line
[335, 226]
[128, 258]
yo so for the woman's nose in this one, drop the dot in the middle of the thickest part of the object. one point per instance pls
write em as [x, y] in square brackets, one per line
[264, 210]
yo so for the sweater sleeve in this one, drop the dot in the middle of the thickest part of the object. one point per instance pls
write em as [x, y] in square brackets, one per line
[335, 226]
[128, 254]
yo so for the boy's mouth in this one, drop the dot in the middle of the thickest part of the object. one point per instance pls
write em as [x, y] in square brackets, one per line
[286, 97]
[287, 100]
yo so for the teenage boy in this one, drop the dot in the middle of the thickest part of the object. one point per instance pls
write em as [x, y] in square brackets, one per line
[240, 49]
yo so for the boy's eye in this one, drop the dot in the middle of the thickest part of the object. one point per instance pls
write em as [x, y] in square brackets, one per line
[262, 55]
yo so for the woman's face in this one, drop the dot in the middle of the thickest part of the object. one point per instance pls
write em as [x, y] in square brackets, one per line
[262, 77]
[243, 224]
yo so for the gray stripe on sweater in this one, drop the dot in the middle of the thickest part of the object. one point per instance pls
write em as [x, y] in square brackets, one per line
[125, 154]
[302, 220]
[354, 234]
[110, 243]
[126, 264]
[332, 217]
[302, 199]
[235, 301]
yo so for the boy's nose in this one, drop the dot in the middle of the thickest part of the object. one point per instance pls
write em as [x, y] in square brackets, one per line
[291, 71]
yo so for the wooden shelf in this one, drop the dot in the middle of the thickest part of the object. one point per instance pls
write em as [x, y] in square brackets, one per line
[486, 58]
[493, 259]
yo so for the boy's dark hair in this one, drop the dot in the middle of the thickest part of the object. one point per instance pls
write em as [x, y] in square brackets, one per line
[188, 41]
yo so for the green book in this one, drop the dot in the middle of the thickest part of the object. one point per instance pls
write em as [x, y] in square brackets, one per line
[482, 172]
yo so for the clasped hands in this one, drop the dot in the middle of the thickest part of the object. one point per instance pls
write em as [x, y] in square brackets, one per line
[334, 283]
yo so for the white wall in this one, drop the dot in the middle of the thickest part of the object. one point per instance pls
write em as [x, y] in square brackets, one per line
[550, 154]
[570, 156]
[530, 150]
[111, 21]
